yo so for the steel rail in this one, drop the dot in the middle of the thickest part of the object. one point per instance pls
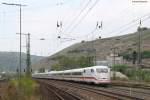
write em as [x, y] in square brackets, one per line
[107, 93]
[61, 94]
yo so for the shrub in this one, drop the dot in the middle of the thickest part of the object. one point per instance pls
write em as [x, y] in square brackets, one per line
[133, 73]
[146, 54]
[126, 55]
[65, 62]
[120, 68]
[138, 74]
[23, 89]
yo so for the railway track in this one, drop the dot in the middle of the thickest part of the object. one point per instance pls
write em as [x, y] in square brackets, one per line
[114, 93]
[131, 84]
[107, 92]
[57, 93]
[132, 90]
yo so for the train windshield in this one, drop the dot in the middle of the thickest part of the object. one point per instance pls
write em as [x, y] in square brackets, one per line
[102, 70]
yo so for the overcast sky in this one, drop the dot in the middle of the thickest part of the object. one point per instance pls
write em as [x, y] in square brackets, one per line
[78, 17]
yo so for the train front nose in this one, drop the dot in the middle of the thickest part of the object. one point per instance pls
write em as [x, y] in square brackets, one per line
[104, 77]
[103, 74]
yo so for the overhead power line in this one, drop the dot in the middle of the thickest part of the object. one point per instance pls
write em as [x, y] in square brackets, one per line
[68, 14]
[77, 16]
[82, 18]
[124, 27]
[98, 26]
[142, 20]
[131, 22]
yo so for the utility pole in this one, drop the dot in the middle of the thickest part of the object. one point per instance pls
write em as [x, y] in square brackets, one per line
[139, 45]
[20, 5]
[114, 61]
[28, 67]
[114, 55]
[94, 50]
[28, 60]
[139, 62]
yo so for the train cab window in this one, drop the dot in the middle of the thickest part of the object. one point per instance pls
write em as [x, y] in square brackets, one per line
[102, 70]
[92, 70]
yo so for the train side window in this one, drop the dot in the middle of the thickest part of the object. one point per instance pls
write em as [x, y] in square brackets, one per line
[92, 70]
[67, 73]
[77, 73]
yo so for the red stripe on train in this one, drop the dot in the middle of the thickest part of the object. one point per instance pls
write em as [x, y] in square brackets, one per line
[83, 77]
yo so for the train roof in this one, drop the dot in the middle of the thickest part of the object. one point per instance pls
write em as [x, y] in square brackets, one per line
[91, 67]
[53, 72]
[72, 70]
[98, 67]
[77, 70]
[40, 73]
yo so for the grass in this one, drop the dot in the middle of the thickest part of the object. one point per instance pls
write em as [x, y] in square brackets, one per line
[134, 74]
[23, 89]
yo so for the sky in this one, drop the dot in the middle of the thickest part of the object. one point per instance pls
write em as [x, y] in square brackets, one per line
[78, 17]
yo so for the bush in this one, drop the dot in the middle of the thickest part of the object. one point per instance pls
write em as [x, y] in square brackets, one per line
[25, 87]
[146, 54]
[126, 56]
[133, 73]
[138, 74]
[120, 68]
[145, 75]
[65, 62]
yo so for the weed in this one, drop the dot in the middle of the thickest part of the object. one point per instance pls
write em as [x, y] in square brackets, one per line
[22, 89]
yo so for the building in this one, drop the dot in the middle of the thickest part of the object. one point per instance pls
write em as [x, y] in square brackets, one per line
[114, 59]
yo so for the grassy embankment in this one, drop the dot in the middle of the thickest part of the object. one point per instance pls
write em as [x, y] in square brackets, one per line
[23, 89]
[134, 74]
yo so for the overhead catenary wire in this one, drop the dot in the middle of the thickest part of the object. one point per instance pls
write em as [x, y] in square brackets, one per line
[77, 16]
[142, 20]
[67, 16]
[85, 16]
[127, 26]
[82, 18]
[123, 27]
[83, 7]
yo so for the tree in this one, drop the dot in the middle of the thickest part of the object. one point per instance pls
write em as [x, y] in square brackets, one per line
[65, 62]
[42, 70]
[84, 61]
[56, 67]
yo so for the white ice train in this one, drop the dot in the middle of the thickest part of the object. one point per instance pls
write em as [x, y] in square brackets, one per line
[94, 74]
